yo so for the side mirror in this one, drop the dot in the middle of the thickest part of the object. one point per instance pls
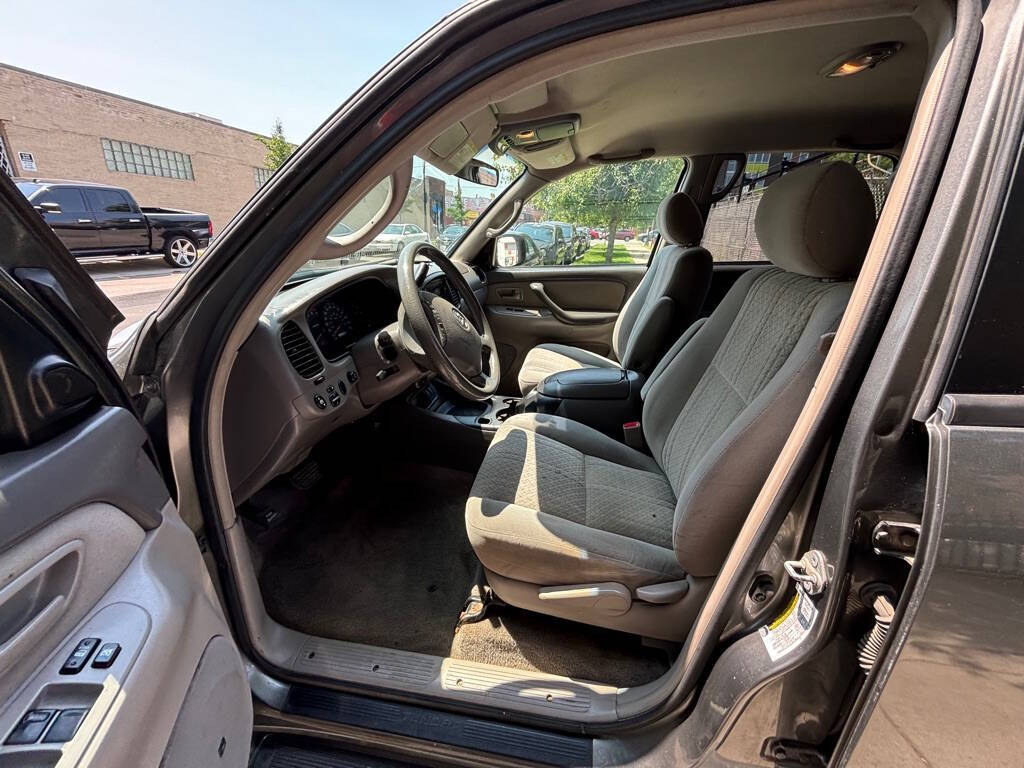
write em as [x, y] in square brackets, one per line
[48, 207]
[510, 250]
[479, 173]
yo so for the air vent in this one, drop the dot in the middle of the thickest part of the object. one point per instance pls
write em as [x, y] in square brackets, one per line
[301, 354]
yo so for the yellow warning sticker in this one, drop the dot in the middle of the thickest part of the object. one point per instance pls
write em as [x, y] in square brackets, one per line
[791, 627]
[785, 614]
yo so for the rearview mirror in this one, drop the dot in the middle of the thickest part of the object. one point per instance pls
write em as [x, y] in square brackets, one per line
[479, 172]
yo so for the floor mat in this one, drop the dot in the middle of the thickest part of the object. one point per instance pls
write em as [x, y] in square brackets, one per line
[509, 637]
[384, 561]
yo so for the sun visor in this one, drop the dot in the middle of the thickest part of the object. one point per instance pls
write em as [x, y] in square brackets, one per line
[458, 144]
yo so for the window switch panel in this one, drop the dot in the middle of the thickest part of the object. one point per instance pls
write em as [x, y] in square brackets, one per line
[80, 656]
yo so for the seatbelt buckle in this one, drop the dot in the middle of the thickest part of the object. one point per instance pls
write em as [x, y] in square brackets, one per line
[632, 435]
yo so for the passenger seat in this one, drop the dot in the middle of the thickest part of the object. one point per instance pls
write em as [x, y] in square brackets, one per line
[664, 304]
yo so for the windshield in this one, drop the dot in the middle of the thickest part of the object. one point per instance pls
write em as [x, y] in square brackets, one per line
[28, 188]
[437, 205]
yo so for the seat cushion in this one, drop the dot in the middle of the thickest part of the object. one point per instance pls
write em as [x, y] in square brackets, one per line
[545, 359]
[607, 509]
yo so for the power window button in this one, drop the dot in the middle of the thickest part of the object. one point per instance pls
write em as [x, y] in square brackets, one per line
[106, 655]
[30, 727]
[64, 727]
[78, 658]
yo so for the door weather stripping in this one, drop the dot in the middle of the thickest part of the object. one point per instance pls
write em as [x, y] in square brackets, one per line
[812, 572]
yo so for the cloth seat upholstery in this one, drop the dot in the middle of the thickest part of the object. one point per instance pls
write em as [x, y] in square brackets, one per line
[557, 503]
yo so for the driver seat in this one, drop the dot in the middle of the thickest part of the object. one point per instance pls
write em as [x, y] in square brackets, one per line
[569, 522]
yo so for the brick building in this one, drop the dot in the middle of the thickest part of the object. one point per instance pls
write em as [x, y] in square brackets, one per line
[165, 158]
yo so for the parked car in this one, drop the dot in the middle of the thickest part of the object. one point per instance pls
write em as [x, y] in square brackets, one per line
[625, 234]
[96, 219]
[571, 235]
[392, 240]
[554, 247]
[582, 240]
[648, 237]
[450, 236]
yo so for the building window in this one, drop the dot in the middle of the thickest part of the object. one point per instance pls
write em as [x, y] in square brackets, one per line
[127, 157]
[261, 176]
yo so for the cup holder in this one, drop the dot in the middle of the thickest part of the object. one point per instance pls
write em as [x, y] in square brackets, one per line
[511, 407]
[484, 420]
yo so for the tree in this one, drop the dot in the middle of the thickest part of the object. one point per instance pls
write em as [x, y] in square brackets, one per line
[457, 210]
[278, 148]
[508, 169]
[612, 195]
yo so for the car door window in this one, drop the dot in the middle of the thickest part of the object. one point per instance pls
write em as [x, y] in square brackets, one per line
[69, 199]
[616, 200]
[729, 231]
[108, 201]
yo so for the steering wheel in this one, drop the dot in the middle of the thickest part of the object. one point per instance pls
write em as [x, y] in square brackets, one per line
[437, 334]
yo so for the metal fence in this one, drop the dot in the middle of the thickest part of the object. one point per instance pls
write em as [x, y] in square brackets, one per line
[729, 232]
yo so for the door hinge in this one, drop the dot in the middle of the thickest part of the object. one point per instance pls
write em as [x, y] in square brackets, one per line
[896, 538]
[812, 572]
[790, 752]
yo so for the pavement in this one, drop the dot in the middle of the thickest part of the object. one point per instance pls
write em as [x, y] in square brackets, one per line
[136, 286]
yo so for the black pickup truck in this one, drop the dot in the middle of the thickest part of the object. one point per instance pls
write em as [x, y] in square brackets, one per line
[97, 219]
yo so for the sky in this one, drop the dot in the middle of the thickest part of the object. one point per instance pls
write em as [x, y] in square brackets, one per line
[245, 63]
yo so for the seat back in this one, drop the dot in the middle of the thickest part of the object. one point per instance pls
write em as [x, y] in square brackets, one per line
[670, 295]
[718, 413]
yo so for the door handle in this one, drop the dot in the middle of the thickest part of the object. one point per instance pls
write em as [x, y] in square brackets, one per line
[85, 221]
[32, 603]
[134, 221]
[571, 317]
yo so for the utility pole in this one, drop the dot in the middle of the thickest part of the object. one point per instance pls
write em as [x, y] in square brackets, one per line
[426, 213]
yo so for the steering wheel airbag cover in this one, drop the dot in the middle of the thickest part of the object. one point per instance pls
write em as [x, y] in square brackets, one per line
[458, 345]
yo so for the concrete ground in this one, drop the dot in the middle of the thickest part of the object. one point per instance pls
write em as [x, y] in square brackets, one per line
[136, 286]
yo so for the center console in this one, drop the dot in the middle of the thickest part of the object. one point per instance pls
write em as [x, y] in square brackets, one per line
[602, 398]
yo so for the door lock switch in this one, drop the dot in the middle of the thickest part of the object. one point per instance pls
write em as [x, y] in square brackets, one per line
[78, 658]
[106, 655]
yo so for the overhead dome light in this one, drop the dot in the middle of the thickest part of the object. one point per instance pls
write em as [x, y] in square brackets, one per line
[857, 61]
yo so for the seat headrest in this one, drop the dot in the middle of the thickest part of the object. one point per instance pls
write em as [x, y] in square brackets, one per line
[679, 220]
[817, 220]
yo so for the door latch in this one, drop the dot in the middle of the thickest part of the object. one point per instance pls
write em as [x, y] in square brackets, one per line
[811, 571]
[896, 538]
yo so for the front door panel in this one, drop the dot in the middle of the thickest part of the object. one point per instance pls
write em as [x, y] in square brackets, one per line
[114, 650]
[521, 320]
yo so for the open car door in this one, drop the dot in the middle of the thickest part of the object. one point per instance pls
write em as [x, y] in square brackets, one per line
[114, 650]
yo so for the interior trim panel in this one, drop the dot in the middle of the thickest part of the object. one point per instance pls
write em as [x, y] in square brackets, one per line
[121, 474]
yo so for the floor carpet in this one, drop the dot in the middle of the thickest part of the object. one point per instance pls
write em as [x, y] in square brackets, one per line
[384, 561]
[509, 637]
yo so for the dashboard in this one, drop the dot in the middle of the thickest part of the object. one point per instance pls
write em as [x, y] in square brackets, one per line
[313, 364]
[344, 316]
